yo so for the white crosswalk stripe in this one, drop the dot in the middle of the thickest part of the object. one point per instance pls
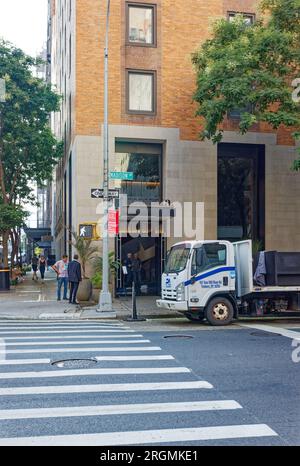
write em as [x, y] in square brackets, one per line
[105, 388]
[91, 372]
[85, 342]
[47, 332]
[68, 337]
[21, 362]
[147, 437]
[82, 350]
[70, 340]
[118, 409]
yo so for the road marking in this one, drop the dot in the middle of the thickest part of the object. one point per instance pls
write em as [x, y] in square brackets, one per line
[82, 350]
[21, 362]
[72, 324]
[110, 410]
[78, 323]
[83, 342]
[134, 358]
[92, 372]
[75, 327]
[147, 436]
[3, 334]
[66, 337]
[102, 388]
[279, 330]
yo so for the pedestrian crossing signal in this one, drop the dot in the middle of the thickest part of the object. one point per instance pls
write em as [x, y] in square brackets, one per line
[87, 231]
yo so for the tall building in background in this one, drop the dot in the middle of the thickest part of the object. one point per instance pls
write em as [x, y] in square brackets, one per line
[245, 182]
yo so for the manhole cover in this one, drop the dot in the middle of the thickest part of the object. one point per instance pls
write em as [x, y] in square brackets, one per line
[75, 363]
[184, 337]
[265, 334]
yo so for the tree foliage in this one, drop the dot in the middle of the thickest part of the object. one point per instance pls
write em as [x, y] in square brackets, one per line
[11, 215]
[250, 67]
[28, 149]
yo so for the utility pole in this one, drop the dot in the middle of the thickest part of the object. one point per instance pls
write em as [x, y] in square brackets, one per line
[105, 302]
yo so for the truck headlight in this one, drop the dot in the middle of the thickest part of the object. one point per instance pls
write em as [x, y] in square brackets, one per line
[180, 292]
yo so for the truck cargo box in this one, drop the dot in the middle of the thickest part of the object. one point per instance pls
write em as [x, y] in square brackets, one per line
[283, 268]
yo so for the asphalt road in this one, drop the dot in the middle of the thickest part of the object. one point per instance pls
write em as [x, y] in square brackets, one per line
[235, 386]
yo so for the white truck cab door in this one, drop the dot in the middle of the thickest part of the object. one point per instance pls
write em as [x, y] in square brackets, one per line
[212, 270]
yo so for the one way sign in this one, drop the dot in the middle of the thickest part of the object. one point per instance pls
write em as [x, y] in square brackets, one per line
[99, 193]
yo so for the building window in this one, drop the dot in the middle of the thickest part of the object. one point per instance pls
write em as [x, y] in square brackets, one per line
[141, 24]
[141, 92]
[249, 18]
[145, 162]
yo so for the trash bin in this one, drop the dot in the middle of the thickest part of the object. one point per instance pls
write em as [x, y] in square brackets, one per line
[4, 280]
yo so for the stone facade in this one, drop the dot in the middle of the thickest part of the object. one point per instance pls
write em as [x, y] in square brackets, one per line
[189, 166]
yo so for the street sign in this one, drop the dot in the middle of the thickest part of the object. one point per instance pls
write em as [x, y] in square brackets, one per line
[99, 193]
[124, 176]
[113, 222]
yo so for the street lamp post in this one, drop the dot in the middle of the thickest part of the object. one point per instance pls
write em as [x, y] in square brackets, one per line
[105, 301]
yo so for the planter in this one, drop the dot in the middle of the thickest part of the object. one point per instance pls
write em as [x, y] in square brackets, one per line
[96, 295]
[85, 290]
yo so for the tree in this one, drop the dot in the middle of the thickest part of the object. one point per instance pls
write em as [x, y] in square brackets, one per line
[28, 149]
[251, 68]
[86, 249]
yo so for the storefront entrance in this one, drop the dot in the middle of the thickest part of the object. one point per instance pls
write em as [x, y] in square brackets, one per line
[151, 253]
[241, 192]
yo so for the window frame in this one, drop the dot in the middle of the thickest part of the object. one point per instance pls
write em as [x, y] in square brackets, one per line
[246, 15]
[151, 6]
[151, 73]
[196, 269]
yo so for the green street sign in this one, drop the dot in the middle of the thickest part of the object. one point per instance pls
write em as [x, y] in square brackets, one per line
[124, 176]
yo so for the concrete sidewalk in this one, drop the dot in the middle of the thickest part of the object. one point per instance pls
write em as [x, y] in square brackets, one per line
[34, 300]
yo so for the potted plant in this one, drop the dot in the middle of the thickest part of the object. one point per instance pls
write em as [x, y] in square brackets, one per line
[97, 285]
[114, 266]
[86, 251]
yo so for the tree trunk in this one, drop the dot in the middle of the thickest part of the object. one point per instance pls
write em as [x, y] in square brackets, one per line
[15, 239]
[5, 237]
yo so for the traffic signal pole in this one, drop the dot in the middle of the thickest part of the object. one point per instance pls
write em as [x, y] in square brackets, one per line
[105, 301]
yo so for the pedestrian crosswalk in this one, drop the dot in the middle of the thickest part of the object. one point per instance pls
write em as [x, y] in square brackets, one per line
[134, 394]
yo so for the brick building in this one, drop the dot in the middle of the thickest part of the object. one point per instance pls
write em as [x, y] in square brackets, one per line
[153, 129]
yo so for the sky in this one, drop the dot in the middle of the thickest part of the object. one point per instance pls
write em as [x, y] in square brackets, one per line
[24, 23]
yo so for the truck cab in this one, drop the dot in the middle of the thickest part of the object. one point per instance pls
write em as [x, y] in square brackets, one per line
[200, 281]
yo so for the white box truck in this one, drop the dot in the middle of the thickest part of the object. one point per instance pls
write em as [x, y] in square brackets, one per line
[213, 280]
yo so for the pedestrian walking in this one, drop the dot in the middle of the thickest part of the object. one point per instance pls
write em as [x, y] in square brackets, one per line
[61, 268]
[34, 266]
[75, 277]
[42, 267]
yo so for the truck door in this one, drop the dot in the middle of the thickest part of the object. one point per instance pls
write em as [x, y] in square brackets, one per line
[211, 272]
[244, 267]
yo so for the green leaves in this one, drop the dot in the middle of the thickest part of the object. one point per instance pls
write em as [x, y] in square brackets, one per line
[250, 68]
[29, 150]
[11, 217]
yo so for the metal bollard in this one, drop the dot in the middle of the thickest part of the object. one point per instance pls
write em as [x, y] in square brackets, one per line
[135, 317]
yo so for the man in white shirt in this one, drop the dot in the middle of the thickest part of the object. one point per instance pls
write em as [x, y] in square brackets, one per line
[61, 268]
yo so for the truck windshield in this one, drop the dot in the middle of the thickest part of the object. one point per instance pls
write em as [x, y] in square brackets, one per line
[178, 258]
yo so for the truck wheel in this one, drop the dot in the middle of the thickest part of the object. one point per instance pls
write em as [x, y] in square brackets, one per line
[219, 312]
